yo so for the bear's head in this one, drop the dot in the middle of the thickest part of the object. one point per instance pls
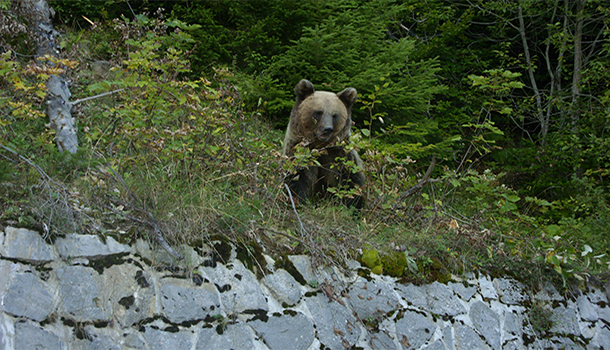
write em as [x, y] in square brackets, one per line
[323, 118]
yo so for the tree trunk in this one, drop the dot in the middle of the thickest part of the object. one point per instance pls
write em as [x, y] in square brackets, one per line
[577, 75]
[530, 68]
[59, 108]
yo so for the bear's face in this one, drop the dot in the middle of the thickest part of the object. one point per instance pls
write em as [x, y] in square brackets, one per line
[324, 118]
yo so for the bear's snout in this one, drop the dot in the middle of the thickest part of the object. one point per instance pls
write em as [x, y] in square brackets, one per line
[325, 133]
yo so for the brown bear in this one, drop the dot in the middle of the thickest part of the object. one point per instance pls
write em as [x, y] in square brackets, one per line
[321, 120]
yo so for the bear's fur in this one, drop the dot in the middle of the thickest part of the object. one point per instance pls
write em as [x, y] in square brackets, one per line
[321, 120]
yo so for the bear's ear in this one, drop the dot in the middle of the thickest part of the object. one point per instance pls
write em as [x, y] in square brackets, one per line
[303, 89]
[348, 97]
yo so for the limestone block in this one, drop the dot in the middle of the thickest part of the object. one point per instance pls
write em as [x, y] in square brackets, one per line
[32, 336]
[548, 293]
[437, 345]
[285, 331]
[23, 244]
[511, 292]
[238, 287]
[565, 321]
[601, 340]
[436, 298]
[604, 313]
[336, 325]
[87, 246]
[93, 341]
[486, 322]
[28, 296]
[128, 293]
[414, 329]
[370, 298]
[596, 295]
[465, 292]
[79, 293]
[234, 336]
[381, 341]
[586, 309]
[160, 339]
[183, 301]
[488, 290]
[414, 295]
[468, 339]
[512, 324]
[284, 287]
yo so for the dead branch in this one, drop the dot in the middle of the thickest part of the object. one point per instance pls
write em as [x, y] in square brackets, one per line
[418, 186]
[96, 96]
[151, 222]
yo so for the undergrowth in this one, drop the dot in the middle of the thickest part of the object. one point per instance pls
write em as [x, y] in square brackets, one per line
[186, 156]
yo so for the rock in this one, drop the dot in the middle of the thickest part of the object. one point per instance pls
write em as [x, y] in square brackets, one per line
[511, 292]
[381, 341]
[601, 340]
[94, 341]
[436, 298]
[23, 244]
[488, 291]
[414, 295]
[235, 336]
[597, 296]
[79, 289]
[128, 293]
[27, 296]
[285, 331]
[437, 345]
[486, 322]
[442, 301]
[512, 324]
[467, 339]
[548, 293]
[238, 287]
[565, 321]
[159, 339]
[565, 343]
[32, 336]
[465, 292]
[604, 313]
[302, 264]
[586, 309]
[514, 344]
[371, 298]
[336, 325]
[88, 246]
[183, 301]
[284, 287]
[134, 340]
[415, 329]
[448, 338]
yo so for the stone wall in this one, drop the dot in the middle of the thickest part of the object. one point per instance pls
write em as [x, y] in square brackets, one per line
[83, 293]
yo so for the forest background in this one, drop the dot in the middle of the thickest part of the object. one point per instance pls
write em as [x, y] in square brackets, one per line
[482, 124]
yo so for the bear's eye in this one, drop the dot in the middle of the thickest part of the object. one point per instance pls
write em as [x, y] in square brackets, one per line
[318, 114]
[335, 116]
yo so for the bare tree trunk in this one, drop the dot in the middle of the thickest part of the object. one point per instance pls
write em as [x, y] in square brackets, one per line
[577, 75]
[59, 108]
[530, 68]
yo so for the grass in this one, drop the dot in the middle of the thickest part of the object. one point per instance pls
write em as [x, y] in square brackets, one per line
[202, 165]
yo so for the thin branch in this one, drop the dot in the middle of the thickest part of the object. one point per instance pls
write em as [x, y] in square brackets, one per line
[96, 96]
[152, 222]
[418, 186]
[303, 231]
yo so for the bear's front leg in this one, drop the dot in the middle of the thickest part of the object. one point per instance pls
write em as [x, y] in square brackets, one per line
[301, 184]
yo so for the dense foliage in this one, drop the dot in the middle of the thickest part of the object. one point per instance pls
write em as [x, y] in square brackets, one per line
[510, 100]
